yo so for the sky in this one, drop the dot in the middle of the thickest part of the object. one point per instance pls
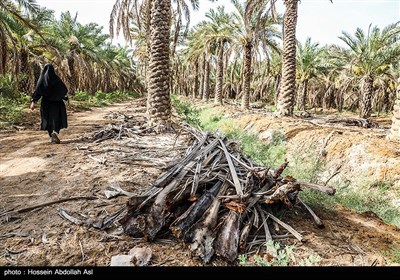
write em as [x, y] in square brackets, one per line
[321, 20]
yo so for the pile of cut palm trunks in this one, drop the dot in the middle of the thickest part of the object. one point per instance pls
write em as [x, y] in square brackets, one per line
[217, 201]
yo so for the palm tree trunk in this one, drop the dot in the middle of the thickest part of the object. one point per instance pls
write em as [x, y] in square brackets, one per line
[287, 92]
[71, 76]
[395, 129]
[201, 87]
[196, 79]
[366, 103]
[23, 85]
[158, 98]
[3, 52]
[206, 85]
[386, 100]
[248, 48]
[304, 95]
[220, 75]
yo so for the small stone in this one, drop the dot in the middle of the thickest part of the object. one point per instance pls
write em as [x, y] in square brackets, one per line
[121, 260]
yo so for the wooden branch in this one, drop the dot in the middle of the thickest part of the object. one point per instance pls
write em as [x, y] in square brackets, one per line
[317, 220]
[232, 169]
[325, 189]
[288, 228]
[28, 209]
[68, 217]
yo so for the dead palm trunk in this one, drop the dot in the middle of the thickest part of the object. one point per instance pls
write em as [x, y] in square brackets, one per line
[366, 103]
[158, 98]
[287, 92]
[220, 75]
[206, 85]
[246, 75]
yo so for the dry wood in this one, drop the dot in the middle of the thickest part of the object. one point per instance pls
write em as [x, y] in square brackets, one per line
[288, 228]
[204, 233]
[215, 199]
[324, 189]
[68, 217]
[232, 169]
[180, 227]
[156, 217]
[317, 220]
[24, 210]
[280, 194]
[244, 234]
[264, 219]
[227, 242]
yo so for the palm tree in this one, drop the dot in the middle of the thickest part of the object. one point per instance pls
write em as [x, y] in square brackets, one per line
[216, 32]
[13, 16]
[309, 65]
[158, 13]
[372, 54]
[254, 27]
[285, 104]
[159, 64]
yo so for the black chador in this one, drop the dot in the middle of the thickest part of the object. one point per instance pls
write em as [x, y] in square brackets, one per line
[53, 91]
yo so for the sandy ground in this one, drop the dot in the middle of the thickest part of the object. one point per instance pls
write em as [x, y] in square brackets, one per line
[34, 171]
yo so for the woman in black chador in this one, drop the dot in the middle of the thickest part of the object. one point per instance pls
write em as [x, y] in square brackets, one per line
[52, 110]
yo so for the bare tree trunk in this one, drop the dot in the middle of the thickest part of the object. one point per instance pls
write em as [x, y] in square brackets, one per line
[248, 48]
[285, 104]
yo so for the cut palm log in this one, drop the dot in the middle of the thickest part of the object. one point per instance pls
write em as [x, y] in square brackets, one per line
[228, 237]
[203, 234]
[180, 227]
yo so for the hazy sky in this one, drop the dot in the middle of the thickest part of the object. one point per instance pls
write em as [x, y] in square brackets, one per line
[319, 19]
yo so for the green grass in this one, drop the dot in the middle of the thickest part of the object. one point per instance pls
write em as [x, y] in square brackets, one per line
[186, 111]
[270, 153]
[277, 255]
[359, 200]
[13, 110]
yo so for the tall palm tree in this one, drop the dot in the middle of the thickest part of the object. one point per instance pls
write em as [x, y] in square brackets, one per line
[309, 64]
[254, 27]
[159, 106]
[216, 32]
[285, 104]
[13, 14]
[159, 72]
[372, 54]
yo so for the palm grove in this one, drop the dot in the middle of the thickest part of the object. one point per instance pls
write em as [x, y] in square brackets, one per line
[241, 55]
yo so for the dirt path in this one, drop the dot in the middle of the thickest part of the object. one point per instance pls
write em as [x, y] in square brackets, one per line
[34, 171]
